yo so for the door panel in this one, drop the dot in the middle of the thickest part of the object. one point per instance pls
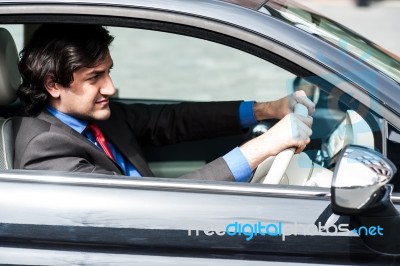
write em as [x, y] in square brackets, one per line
[158, 217]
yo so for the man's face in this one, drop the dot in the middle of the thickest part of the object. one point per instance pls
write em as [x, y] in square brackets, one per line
[88, 95]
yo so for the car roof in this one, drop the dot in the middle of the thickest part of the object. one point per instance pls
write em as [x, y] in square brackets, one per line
[251, 4]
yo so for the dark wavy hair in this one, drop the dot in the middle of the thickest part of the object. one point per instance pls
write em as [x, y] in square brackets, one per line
[58, 50]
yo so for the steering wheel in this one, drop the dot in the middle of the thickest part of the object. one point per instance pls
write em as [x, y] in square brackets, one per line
[272, 169]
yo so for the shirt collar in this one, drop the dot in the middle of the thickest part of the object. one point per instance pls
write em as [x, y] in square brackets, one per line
[75, 123]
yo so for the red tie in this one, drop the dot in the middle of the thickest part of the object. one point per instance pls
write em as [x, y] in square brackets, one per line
[101, 140]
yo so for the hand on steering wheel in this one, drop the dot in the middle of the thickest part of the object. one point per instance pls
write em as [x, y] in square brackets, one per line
[282, 160]
[293, 130]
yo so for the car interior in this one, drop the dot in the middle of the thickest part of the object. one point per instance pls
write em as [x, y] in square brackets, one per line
[338, 121]
[9, 82]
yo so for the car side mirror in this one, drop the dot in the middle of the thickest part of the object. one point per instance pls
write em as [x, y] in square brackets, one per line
[359, 179]
[360, 190]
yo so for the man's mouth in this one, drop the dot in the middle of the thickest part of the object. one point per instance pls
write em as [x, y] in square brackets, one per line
[103, 101]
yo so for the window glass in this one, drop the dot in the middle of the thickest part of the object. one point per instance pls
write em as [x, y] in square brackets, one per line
[347, 40]
[157, 65]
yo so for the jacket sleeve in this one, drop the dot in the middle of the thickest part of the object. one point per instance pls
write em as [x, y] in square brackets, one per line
[216, 170]
[173, 123]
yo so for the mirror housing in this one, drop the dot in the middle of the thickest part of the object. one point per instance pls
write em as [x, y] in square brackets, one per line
[359, 180]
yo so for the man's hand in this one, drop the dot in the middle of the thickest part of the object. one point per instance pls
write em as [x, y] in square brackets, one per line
[279, 108]
[292, 131]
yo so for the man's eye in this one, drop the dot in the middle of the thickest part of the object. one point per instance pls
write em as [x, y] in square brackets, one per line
[94, 77]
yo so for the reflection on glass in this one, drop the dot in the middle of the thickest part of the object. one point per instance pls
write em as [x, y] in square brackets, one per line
[331, 31]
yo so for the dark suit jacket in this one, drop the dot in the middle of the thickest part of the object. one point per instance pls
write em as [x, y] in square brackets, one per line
[46, 143]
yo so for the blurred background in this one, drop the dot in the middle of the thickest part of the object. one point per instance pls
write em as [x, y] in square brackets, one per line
[378, 20]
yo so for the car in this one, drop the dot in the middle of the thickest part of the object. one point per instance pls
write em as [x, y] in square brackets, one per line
[335, 203]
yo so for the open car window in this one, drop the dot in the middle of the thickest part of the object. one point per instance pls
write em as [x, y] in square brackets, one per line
[153, 66]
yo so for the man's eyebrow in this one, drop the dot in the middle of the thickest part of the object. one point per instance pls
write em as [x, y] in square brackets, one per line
[93, 71]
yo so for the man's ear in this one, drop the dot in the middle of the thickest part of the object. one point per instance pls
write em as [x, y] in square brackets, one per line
[53, 88]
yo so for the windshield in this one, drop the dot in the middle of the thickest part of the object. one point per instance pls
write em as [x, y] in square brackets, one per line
[301, 17]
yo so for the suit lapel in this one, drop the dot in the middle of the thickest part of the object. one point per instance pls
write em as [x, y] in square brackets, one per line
[83, 141]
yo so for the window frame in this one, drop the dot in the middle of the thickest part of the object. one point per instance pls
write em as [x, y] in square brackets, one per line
[264, 48]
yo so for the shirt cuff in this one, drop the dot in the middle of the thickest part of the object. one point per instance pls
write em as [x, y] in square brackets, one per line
[246, 114]
[238, 165]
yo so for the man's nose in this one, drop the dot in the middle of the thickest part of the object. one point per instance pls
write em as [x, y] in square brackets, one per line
[108, 87]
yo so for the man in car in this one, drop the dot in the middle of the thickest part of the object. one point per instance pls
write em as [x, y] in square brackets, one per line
[70, 124]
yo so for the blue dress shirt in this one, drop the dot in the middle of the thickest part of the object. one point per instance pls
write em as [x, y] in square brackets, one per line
[235, 160]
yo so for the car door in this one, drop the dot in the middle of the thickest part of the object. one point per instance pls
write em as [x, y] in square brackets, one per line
[80, 218]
